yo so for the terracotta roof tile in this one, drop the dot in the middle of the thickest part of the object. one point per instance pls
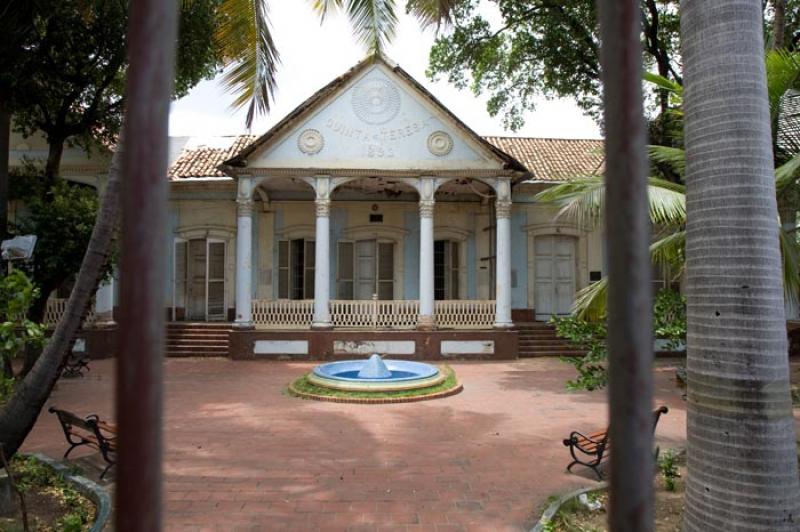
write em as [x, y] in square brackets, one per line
[547, 159]
[202, 160]
[554, 159]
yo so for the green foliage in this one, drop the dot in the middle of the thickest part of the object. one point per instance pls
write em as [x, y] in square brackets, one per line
[590, 336]
[669, 322]
[16, 330]
[669, 318]
[668, 468]
[69, 62]
[63, 220]
[541, 48]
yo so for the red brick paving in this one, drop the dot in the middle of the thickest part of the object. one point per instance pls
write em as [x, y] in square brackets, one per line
[242, 455]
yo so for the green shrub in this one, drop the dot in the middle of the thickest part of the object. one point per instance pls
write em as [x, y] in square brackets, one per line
[669, 322]
[591, 337]
[669, 318]
[668, 467]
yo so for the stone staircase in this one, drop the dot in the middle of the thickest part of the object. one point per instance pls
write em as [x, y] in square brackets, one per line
[538, 339]
[198, 339]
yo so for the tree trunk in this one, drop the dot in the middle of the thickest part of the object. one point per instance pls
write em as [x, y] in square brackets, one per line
[55, 150]
[5, 145]
[779, 24]
[19, 414]
[742, 461]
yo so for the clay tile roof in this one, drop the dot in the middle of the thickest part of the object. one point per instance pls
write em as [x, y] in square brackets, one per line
[554, 159]
[201, 160]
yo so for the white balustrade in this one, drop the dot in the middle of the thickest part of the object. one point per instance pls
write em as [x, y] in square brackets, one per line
[282, 313]
[465, 314]
[55, 308]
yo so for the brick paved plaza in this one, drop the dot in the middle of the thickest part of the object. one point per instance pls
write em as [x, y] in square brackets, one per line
[242, 455]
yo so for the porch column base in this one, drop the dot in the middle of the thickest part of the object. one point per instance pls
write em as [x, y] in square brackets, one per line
[426, 323]
[321, 326]
[243, 325]
[505, 326]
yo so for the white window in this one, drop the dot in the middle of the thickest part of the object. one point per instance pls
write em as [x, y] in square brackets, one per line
[364, 268]
[446, 269]
[296, 269]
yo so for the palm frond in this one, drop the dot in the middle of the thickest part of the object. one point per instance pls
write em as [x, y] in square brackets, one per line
[783, 74]
[790, 253]
[251, 59]
[787, 173]
[580, 200]
[590, 301]
[667, 202]
[674, 157]
[432, 12]
[664, 83]
[583, 200]
[670, 252]
[374, 21]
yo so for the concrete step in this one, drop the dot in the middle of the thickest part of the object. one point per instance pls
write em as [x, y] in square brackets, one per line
[198, 340]
[198, 348]
[194, 353]
[535, 354]
[199, 336]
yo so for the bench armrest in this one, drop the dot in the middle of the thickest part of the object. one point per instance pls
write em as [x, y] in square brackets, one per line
[576, 436]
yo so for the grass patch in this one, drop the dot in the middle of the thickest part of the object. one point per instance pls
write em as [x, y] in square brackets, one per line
[303, 385]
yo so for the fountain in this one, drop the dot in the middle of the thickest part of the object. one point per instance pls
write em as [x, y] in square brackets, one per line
[401, 380]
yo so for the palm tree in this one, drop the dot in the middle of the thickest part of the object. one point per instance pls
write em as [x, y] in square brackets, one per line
[742, 461]
[581, 200]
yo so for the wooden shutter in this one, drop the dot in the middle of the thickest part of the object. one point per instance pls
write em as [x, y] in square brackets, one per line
[283, 269]
[344, 270]
[385, 270]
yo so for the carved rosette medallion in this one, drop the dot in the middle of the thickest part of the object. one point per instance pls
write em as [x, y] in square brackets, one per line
[323, 207]
[310, 141]
[376, 101]
[503, 209]
[426, 208]
[440, 143]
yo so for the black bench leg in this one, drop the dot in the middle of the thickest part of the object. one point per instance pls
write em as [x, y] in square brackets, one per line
[106, 470]
[74, 445]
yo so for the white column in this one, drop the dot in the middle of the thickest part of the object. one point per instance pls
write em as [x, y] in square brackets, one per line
[244, 262]
[322, 246]
[503, 265]
[426, 319]
[104, 303]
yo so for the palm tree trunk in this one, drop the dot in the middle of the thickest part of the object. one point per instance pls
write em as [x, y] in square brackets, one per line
[742, 462]
[19, 414]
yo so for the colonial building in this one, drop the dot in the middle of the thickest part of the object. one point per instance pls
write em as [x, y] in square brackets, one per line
[368, 219]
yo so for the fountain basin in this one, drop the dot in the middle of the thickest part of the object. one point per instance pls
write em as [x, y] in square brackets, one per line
[397, 375]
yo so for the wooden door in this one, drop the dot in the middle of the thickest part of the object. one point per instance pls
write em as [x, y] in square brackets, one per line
[554, 275]
[215, 280]
[196, 280]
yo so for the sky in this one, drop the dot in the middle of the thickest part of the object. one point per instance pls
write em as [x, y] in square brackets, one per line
[313, 54]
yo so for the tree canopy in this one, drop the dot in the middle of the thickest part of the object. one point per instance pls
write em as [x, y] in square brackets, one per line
[550, 48]
[69, 61]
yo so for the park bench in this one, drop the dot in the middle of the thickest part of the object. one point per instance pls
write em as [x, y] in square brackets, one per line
[76, 365]
[589, 450]
[89, 431]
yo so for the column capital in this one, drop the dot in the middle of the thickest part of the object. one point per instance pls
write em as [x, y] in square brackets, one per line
[323, 207]
[244, 207]
[503, 208]
[426, 208]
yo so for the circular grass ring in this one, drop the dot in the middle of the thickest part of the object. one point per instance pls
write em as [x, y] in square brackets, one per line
[304, 389]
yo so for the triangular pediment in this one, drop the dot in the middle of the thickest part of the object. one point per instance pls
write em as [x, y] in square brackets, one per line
[373, 117]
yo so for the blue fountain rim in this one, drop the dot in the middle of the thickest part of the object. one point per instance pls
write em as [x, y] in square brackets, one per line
[421, 370]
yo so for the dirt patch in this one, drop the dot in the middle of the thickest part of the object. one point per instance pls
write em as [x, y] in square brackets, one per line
[575, 517]
[52, 504]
